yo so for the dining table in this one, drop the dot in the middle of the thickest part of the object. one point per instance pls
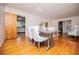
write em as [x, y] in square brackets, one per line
[46, 32]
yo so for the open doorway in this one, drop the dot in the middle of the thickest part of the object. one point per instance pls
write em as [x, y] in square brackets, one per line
[20, 26]
[64, 26]
[60, 27]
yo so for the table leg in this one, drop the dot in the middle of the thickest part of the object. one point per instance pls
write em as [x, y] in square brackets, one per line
[48, 45]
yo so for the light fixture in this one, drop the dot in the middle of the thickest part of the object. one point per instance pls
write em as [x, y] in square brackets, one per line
[39, 8]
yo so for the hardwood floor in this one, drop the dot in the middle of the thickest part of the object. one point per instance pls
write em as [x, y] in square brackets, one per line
[62, 46]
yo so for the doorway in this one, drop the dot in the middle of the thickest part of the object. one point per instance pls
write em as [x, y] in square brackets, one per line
[64, 26]
[60, 27]
[20, 26]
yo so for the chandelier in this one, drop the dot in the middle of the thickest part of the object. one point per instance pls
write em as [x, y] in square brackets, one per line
[39, 8]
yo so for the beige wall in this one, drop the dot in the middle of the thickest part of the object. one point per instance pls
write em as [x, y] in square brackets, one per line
[1, 25]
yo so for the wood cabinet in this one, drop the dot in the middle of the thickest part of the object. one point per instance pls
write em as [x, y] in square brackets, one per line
[10, 26]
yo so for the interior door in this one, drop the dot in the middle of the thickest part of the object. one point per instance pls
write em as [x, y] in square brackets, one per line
[10, 26]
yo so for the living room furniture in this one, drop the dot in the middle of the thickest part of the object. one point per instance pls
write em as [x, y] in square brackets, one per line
[50, 32]
[37, 37]
[20, 24]
[74, 32]
[30, 34]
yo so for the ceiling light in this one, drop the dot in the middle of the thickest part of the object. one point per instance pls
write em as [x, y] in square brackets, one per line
[39, 8]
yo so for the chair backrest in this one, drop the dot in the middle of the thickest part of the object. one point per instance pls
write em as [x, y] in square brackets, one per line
[36, 33]
[30, 35]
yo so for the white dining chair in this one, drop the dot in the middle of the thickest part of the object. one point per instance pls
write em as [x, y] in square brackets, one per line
[37, 37]
[30, 35]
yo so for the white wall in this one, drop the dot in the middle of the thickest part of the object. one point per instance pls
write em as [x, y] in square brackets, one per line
[31, 19]
[1, 25]
[74, 19]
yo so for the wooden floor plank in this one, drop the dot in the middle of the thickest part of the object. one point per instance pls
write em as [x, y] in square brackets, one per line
[62, 46]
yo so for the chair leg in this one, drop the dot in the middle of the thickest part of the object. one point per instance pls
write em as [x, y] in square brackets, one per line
[48, 43]
[38, 44]
[75, 37]
[34, 43]
[31, 42]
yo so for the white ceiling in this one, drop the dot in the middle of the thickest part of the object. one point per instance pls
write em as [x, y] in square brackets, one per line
[49, 10]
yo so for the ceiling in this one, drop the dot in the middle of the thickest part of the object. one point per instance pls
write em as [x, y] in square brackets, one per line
[49, 10]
